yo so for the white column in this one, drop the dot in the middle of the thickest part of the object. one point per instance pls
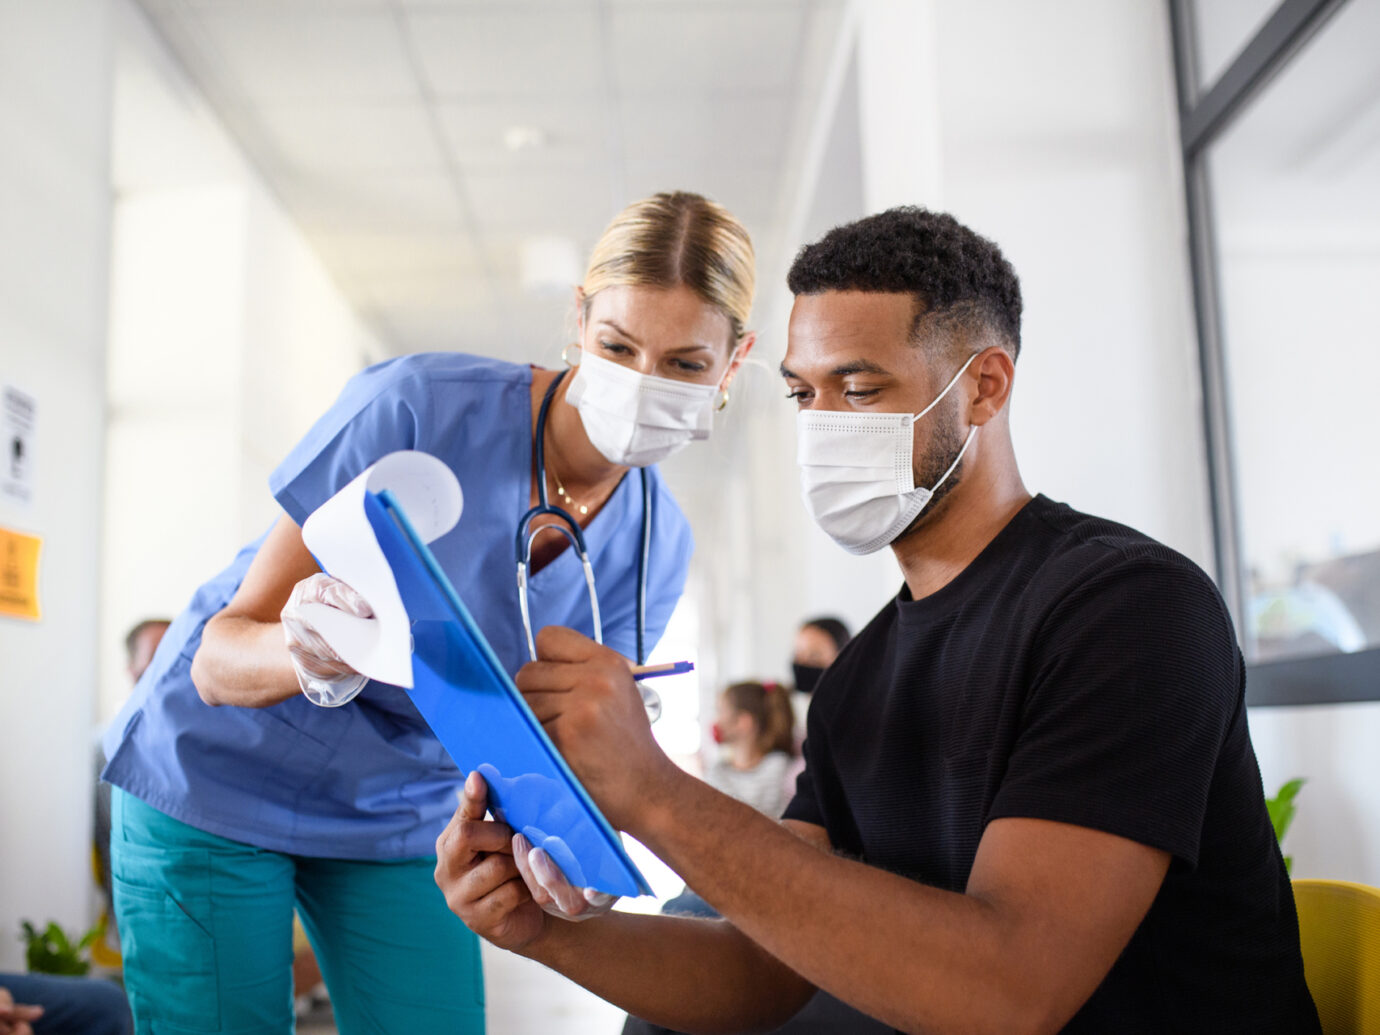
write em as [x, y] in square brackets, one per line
[898, 88]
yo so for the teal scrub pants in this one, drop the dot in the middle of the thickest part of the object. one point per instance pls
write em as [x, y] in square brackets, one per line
[206, 932]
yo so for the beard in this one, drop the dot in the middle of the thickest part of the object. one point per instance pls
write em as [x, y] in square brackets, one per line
[946, 444]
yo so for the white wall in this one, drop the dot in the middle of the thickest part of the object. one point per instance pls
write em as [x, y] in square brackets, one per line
[227, 340]
[54, 230]
[1050, 128]
[1060, 143]
[1336, 830]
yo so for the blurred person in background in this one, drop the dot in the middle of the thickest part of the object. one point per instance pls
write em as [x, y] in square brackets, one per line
[753, 745]
[754, 733]
[817, 644]
[141, 643]
[46, 1004]
[239, 814]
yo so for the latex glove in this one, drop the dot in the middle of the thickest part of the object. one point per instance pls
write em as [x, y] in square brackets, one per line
[325, 679]
[551, 890]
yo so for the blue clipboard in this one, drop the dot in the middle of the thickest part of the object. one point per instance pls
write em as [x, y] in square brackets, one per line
[481, 719]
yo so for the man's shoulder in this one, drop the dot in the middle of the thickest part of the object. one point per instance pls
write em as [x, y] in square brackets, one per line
[1080, 553]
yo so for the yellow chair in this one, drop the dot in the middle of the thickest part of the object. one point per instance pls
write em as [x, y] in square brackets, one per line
[1339, 931]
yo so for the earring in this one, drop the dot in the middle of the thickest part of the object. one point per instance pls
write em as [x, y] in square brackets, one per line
[723, 400]
[566, 354]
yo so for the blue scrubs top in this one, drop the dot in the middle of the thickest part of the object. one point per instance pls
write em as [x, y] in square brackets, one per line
[368, 780]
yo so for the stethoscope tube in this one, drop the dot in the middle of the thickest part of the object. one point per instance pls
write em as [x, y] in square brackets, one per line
[570, 528]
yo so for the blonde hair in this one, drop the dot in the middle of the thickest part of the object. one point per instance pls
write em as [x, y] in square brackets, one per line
[678, 238]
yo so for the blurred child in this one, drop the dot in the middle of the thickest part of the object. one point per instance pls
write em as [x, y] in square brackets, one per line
[755, 728]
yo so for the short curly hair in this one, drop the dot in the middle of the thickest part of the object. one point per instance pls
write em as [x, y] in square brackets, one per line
[960, 279]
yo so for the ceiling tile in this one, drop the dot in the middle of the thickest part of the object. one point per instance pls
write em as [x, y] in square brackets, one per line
[574, 133]
[691, 50]
[739, 128]
[566, 204]
[306, 54]
[351, 137]
[437, 291]
[508, 52]
[375, 256]
[323, 6]
[372, 204]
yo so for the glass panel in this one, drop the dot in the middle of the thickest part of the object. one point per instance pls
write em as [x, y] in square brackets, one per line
[1223, 28]
[1296, 193]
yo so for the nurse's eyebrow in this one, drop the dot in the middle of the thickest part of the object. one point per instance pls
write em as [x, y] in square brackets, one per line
[619, 330]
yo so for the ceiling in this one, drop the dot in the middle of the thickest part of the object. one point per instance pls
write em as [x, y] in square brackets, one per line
[429, 148]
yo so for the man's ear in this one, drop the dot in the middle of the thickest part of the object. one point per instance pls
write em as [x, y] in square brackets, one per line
[993, 373]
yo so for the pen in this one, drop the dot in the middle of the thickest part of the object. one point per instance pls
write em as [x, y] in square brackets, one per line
[671, 668]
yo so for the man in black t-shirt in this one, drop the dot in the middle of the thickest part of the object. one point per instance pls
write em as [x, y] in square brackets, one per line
[1030, 800]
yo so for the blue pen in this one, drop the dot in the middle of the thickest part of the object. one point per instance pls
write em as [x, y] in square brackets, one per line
[671, 668]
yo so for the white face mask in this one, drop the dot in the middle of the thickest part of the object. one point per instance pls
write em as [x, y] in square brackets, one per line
[856, 473]
[637, 419]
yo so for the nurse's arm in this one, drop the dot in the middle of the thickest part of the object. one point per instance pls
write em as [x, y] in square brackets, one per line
[243, 658]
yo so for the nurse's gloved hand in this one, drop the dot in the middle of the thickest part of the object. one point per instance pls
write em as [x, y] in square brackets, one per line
[325, 679]
[551, 890]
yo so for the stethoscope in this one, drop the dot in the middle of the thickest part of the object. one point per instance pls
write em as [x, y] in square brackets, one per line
[570, 528]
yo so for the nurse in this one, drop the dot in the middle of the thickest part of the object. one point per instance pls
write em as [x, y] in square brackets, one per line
[237, 798]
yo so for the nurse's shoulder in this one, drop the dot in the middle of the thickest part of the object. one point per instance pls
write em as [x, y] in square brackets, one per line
[418, 372]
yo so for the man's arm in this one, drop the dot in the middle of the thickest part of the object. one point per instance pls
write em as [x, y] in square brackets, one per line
[1047, 910]
[685, 973]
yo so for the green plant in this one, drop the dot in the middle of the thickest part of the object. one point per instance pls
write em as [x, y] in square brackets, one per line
[50, 951]
[1282, 809]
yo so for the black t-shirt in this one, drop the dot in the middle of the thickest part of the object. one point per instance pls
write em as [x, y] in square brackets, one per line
[1080, 672]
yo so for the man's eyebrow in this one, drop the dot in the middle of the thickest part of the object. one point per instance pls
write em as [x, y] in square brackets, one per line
[857, 366]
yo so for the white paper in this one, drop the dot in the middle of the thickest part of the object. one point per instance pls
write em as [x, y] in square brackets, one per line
[339, 535]
[17, 439]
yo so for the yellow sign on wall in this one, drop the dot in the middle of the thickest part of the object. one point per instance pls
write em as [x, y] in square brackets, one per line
[19, 574]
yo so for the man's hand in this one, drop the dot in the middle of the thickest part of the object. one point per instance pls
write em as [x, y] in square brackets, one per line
[476, 871]
[586, 698]
[15, 1017]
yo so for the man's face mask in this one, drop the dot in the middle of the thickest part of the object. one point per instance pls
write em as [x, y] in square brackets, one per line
[857, 475]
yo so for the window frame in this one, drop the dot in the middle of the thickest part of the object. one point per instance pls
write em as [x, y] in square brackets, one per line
[1205, 112]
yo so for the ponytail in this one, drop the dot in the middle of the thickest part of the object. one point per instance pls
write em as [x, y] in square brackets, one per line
[769, 705]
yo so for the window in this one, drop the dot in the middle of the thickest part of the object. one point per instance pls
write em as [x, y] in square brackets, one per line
[1282, 162]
